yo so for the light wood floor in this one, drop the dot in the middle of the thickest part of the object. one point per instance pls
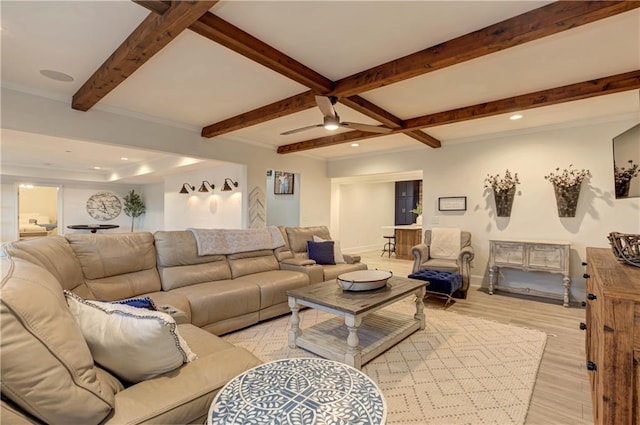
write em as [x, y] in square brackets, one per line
[561, 394]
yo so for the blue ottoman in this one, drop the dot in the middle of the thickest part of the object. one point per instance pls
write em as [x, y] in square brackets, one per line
[444, 283]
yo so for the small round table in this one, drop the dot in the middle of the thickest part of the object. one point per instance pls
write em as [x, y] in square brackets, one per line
[299, 391]
[93, 227]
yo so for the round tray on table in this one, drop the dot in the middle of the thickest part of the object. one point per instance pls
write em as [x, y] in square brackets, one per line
[363, 280]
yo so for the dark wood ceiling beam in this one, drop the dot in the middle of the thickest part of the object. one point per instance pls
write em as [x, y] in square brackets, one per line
[536, 24]
[365, 107]
[157, 6]
[154, 33]
[569, 93]
[269, 112]
[232, 37]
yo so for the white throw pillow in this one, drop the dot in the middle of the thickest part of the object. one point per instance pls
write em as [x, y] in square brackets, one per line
[134, 343]
[337, 253]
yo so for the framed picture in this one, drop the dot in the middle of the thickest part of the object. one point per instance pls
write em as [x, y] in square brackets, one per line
[283, 183]
[452, 203]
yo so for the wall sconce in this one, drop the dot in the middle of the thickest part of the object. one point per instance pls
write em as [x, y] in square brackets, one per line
[186, 187]
[204, 188]
[226, 187]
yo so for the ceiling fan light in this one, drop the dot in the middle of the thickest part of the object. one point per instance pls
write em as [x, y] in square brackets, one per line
[331, 123]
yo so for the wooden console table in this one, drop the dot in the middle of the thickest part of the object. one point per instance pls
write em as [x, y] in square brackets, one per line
[530, 255]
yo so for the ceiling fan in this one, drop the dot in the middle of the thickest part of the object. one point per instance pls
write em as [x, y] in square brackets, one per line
[332, 120]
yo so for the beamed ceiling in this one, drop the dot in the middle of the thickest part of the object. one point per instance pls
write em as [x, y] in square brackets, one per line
[467, 62]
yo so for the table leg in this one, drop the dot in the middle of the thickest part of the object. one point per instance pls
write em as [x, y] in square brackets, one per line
[492, 278]
[567, 284]
[353, 356]
[294, 331]
[419, 316]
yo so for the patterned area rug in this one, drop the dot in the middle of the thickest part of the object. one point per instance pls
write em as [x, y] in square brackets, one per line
[458, 370]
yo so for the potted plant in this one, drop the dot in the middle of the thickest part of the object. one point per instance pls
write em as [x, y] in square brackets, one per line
[133, 206]
[623, 178]
[418, 211]
[566, 186]
[504, 191]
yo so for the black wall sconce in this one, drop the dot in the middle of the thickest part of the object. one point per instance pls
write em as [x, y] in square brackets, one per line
[206, 186]
[226, 187]
[186, 188]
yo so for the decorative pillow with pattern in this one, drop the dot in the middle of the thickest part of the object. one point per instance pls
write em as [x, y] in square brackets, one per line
[133, 343]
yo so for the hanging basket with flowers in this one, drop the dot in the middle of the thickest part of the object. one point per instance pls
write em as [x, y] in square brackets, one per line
[566, 186]
[623, 178]
[504, 191]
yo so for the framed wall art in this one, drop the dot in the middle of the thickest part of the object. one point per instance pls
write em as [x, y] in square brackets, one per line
[283, 183]
[452, 203]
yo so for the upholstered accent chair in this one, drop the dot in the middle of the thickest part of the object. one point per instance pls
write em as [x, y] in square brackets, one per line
[427, 256]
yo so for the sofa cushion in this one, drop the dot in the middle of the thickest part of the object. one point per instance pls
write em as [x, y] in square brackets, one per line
[274, 285]
[184, 395]
[117, 266]
[213, 302]
[179, 264]
[47, 368]
[298, 236]
[333, 271]
[55, 255]
[133, 343]
[251, 262]
[321, 252]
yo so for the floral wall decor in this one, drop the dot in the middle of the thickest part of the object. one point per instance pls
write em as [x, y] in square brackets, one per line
[623, 178]
[504, 191]
[566, 185]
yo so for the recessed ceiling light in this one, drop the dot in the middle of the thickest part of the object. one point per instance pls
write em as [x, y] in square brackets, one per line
[515, 117]
[97, 168]
[124, 158]
[56, 75]
[355, 145]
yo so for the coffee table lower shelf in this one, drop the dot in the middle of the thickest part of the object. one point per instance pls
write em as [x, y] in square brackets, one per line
[377, 333]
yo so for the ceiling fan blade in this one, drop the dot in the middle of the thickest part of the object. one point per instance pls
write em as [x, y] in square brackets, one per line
[297, 130]
[325, 105]
[365, 127]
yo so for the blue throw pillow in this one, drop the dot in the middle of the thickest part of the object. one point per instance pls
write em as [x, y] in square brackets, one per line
[139, 302]
[321, 252]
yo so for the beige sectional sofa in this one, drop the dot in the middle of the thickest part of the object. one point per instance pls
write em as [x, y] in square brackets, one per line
[48, 373]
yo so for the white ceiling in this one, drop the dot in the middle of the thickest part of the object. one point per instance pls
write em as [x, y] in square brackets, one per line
[195, 82]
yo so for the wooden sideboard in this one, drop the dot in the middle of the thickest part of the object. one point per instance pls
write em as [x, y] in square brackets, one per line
[529, 255]
[613, 338]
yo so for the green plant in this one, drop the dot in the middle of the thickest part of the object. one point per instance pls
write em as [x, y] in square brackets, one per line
[133, 206]
[418, 209]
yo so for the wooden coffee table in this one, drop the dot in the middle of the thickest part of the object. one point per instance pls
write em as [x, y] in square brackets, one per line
[361, 330]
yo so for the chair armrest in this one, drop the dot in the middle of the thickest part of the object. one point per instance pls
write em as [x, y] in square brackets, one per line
[314, 271]
[466, 255]
[420, 255]
[351, 259]
[178, 315]
[298, 261]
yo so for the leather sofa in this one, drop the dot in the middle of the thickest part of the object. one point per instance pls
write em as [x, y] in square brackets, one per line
[47, 370]
[294, 255]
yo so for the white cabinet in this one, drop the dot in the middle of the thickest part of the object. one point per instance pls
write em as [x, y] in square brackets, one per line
[528, 255]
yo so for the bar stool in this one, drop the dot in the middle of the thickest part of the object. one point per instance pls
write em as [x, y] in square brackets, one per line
[390, 246]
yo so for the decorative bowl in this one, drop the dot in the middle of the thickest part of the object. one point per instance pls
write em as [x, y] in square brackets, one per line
[363, 280]
[626, 247]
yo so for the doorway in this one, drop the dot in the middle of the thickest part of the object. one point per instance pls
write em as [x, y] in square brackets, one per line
[38, 210]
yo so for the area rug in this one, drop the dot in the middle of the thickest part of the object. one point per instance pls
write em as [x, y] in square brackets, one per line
[458, 370]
